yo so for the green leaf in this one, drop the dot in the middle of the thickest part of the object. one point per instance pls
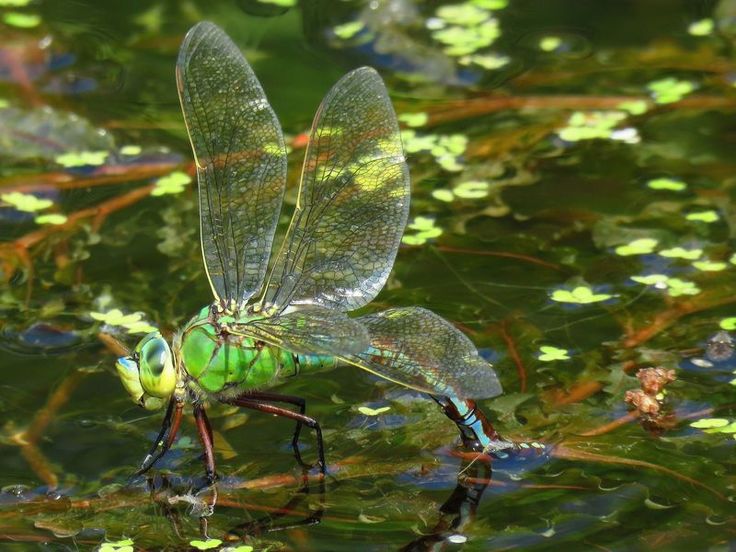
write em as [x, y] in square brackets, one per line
[51, 219]
[702, 27]
[81, 159]
[486, 61]
[550, 43]
[414, 119]
[25, 202]
[422, 223]
[709, 423]
[679, 287]
[681, 253]
[22, 20]
[550, 353]
[659, 280]
[443, 195]
[462, 14]
[581, 294]
[669, 184]
[703, 216]
[205, 545]
[670, 89]
[728, 324]
[642, 246]
[367, 411]
[282, 3]
[471, 189]
[634, 107]
[710, 266]
[348, 30]
[491, 4]
[173, 183]
[131, 150]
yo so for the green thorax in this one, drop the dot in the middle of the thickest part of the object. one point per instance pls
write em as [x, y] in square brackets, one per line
[220, 362]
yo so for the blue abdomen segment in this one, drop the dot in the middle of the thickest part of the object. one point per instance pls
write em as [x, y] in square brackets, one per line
[476, 431]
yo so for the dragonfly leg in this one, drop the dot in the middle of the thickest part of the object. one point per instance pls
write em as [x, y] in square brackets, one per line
[170, 428]
[205, 435]
[476, 431]
[253, 404]
[289, 399]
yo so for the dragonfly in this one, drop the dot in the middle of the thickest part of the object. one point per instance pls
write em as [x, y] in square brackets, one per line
[275, 316]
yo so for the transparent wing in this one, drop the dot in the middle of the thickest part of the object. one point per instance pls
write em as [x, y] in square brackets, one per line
[309, 330]
[353, 202]
[419, 349]
[241, 160]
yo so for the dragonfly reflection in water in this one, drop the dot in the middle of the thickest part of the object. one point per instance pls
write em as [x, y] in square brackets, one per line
[272, 321]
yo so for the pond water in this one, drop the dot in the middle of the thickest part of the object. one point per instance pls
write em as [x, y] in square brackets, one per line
[573, 171]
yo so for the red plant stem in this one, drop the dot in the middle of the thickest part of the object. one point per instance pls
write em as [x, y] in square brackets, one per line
[504, 254]
[514, 353]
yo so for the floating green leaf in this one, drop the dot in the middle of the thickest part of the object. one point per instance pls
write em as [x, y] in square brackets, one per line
[173, 183]
[677, 287]
[715, 425]
[125, 545]
[425, 230]
[642, 246]
[53, 218]
[282, 3]
[703, 216]
[446, 149]
[728, 324]
[702, 27]
[681, 253]
[131, 149]
[348, 30]
[25, 202]
[709, 423]
[550, 43]
[670, 90]
[464, 29]
[657, 280]
[462, 14]
[367, 411]
[471, 189]
[414, 119]
[81, 159]
[134, 323]
[486, 61]
[597, 125]
[581, 294]
[491, 4]
[667, 184]
[205, 545]
[549, 353]
[710, 266]
[634, 107]
[22, 20]
[443, 194]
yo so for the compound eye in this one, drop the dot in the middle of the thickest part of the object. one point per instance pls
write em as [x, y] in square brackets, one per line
[156, 366]
[127, 369]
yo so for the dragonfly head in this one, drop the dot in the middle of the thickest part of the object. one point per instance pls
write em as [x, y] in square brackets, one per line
[148, 374]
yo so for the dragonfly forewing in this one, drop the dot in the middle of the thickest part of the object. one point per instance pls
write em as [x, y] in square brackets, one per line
[352, 206]
[241, 160]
